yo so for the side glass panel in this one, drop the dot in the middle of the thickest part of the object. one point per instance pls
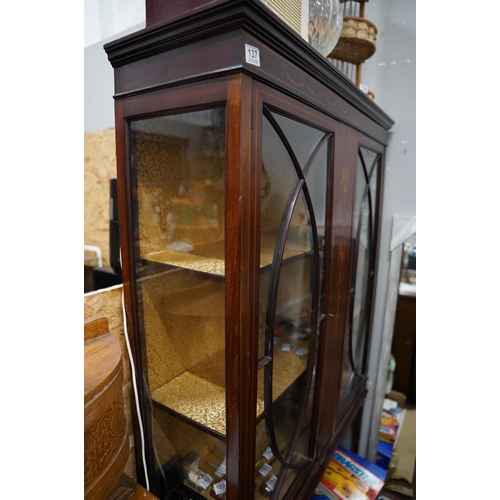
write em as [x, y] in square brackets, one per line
[295, 157]
[317, 181]
[178, 162]
[363, 245]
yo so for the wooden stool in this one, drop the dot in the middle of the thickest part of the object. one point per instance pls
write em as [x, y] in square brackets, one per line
[106, 431]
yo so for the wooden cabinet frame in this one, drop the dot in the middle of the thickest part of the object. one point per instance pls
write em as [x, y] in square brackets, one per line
[198, 62]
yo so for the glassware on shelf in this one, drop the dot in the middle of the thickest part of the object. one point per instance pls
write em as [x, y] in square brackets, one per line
[325, 24]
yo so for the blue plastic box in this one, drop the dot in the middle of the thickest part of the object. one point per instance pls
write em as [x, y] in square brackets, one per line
[384, 454]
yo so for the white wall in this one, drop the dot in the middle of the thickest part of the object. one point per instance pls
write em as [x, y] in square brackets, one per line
[105, 20]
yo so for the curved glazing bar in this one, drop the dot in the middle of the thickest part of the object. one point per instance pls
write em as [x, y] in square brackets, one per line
[362, 275]
[305, 139]
[299, 187]
[360, 290]
[270, 320]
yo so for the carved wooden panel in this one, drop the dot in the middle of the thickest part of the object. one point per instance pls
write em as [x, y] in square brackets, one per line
[106, 444]
[108, 303]
[102, 438]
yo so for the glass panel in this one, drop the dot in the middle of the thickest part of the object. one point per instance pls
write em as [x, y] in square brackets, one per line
[362, 244]
[370, 158]
[278, 179]
[373, 192]
[302, 138]
[317, 182]
[179, 165]
[267, 467]
[358, 196]
[364, 267]
[268, 470]
[291, 350]
[361, 280]
[182, 450]
[293, 213]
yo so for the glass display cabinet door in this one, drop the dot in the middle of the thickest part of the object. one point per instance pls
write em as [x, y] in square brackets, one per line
[364, 250]
[178, 175]
[295, 159]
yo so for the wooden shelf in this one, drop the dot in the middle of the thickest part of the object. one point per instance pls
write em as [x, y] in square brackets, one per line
[191, 261]
[287, 367]
[209, 258]
[196, 399]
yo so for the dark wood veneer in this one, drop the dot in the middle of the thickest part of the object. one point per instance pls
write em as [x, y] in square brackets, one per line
[213, 39]
[161, 11]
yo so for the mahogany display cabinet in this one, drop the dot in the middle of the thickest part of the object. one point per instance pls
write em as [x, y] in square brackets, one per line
[250, 176]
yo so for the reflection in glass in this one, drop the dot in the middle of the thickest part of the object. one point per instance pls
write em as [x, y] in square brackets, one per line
[295, 158]
[179, 166]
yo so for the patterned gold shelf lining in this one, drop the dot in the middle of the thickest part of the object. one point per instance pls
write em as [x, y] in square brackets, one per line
[197, 399]
[188, 261]
[204, 402]
[287, 367]
[213, 265]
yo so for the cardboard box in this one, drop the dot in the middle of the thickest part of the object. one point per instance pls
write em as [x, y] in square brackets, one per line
[402, 464]
[351, 477]
[399, 397]
[388, 428]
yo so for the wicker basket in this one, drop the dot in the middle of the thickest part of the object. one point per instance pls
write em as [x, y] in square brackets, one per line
[357, 41]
